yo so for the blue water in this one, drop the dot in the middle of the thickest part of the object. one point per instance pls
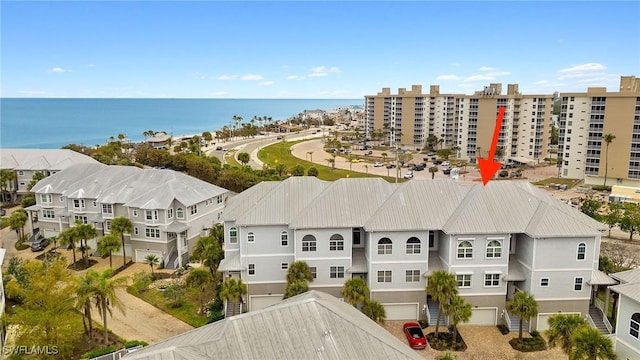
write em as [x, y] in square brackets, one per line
[53, 123]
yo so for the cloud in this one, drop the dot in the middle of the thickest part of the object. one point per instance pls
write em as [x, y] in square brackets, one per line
[448, 77]
[318, 74]
[266, 83]
[486, 68]
[455, 64]
[321, 71]
[296, 77]
[220, 93]
[59, 70]
[542, 82]
[581, 70]
[488, 73]
[479, 78]
[91, 65]
[251, 77]
[227, 77]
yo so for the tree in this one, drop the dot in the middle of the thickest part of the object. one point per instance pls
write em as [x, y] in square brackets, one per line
[69, 236]
[175, 293]
[432, 141]
[332, 162]
[208, 250]
[589, 343]
[384, 156]
[105, 295]
[460, 311]
[17, 220]
[312, 171]
[608, 139]
[613, 216]
[297, 170]
[84, 298]
[591, 208]
[84, 233]
[295, 288]
[298, 277]
[355, 291]
[374, 311]
[198, 279]
[151, 260]
[207, 137]
[310, 153]
[109, 244]
[554, 135]
[630, 221]
[233, 290]
[524, 306]
[433, 170]
[561, 330]
[244, 157]
[443, 287]
[120, 226]
[444, 154]
[6, 177]
[499, 152]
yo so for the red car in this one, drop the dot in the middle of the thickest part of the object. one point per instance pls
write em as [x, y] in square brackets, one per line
[413, 332]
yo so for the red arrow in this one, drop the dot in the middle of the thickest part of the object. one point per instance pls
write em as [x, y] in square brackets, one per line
[488, 167]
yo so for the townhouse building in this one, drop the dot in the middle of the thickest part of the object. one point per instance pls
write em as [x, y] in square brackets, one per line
[584, 120]
[169, 210]
[506, 237]
[464, 122]
[627, 333]
[27, 162]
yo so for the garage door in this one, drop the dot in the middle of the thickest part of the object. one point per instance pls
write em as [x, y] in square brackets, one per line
[51, 233]
[543, 321]
[401, 311]
[261, 302]
[141, 254]
[481, 316]
[127, 249]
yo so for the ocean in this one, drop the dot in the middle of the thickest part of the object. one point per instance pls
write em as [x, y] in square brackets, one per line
[53, 123]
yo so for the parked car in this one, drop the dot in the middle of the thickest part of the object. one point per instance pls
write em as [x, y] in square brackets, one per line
[40, 244]
[391, 166]
[420, 167]
[408, 175]
[377, 164]
[437, 162]
[219, 148]
[446, 170]
[370, 152]
[415, 336]
[445, 163]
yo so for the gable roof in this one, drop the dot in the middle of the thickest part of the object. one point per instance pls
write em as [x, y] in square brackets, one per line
[307, 326]
[247, 199]
[628, 276]
[631, 290]
[42, 159]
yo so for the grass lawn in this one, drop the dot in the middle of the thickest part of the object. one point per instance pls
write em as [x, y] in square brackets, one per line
[230, 158]
[186, 313]
[280, 153]
[554, 180]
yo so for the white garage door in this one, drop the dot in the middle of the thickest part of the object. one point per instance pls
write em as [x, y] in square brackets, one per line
[261, 302]
[543, 321]
[483, 316]
[127, 249]
[141, 254]
[401, 311]
[51, 233]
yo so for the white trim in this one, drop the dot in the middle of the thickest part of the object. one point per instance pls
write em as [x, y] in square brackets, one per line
[423, 261]
[261, 255]
[480, 266]
[481, 294]
[318, 258]
[417, 305]
[324, 286]
[463, 273]
[562, 299]
[564, 270]
[495, 320]
[265, 282]
[397, 290]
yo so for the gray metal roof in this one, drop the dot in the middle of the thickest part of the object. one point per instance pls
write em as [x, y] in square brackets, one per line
[359, 262]
[283, 202]
[631, 290]
[344, 203]
[628, 276]
[243, 201]
[313, 325]
[41, 159]
[515, 272]
[600, 278]
[231, 262]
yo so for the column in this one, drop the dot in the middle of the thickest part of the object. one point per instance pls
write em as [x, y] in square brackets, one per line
[179, 248]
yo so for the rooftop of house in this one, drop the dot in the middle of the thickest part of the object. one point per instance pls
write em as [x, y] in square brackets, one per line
[41, 159]
[313, 325]
[629, 283]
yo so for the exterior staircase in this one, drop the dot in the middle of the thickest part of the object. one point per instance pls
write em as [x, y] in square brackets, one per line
[514, 324]
[433, 313]
[598, 320]
[171, 263]
[230, 306]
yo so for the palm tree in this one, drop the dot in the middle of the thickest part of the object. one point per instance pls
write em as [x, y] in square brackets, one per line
[208, 250]
[17, 221]
[6, 176]
[198, 279]
[310, 153]
[151, 260]
[561, 330]
[120, 226]
[384, 156]
[374, 311]
[237, 120]
[355, 291]
[442, 286]
[105, 294]
[298, 277]
[109, 244]
[295, 288]
[84, 297]
[590, 344]
[232, 290]
[69, 237]
[608, 138]
[460, 311]
[524, 306]
[84, 233]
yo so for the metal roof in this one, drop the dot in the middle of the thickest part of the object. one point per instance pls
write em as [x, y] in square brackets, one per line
[231, 262]
[344, 203]
[243, 201]
[515, 272]
[41, 159]
[359, 262]
[631, 290]
[600, 278]
[313, 325]
[628, 276]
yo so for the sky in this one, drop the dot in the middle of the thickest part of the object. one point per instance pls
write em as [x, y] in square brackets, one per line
[311, 49]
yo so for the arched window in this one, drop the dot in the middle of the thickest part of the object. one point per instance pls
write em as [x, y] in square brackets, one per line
[385, 246]
[336, 242]
[180, 213]
[233, 234]
[251, 237]
[634, 327]
[465, 250]
[582, 251]
[413, 245]
[284, 239]
[494, 249]
[309, 243]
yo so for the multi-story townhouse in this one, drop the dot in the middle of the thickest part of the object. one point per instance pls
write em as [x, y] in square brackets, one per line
[584, 120]
[169, 210]
[464, 122]
[627, 332]
[27, 162]
[497, 240]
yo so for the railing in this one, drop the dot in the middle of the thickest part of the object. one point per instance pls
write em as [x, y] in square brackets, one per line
[590, 320]
[605, 319]
[600, 305]
[507, 319]
[117, 355]
[426, 309]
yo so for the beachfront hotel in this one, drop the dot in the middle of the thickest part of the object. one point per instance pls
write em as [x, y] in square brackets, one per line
[465, 122]
[585, 118]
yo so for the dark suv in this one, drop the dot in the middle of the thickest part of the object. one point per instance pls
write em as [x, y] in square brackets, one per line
[40, 244]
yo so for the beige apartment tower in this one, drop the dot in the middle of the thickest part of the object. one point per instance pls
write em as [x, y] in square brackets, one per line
[464, 123]
[586, 118]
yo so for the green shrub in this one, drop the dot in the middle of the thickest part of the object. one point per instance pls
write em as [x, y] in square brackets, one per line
[132, 343]
[99, 352]
[141, 281]
[503, 173]
[504, 330]
[528, 344]
[447, 356]
[534, 333]
[215, 316]
[601, 188]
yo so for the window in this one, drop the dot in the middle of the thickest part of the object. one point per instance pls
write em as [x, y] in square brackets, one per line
[385, 247]
[412, 276]
[314, 271]
[465, 250]
[180, 213]
[308, 243]
[432, 239]
[284, 239]
[151, 214]
[107, 225]
[170, 213]
[384, 276]
[336, 272]
[20, 172]
[464, 280]
[61, 198]
[413, 245]
[336, 243]
[491, 280]
[252, 269]
[81, 219]
[136, 231]
[78, 203]
[582, 251]
[95, 204]
[634, 326]
[219, 198]
[544, 282]
[577, 286]
[48, 214]
[233, 233]
[251, 237]
[494, 249]
[135, 213]
[46, 198]
[107, 209]
[356, 236]
[284, 266]
[152, 233]
[193, 209]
